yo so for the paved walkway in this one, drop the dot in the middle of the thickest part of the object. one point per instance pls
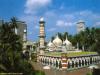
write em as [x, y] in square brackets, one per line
[82, 71]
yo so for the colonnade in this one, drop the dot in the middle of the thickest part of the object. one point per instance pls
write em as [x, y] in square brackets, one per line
[72, 62]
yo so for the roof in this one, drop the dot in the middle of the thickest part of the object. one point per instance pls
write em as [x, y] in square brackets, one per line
[57, 41]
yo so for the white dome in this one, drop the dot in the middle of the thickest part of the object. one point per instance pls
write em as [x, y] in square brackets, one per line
[57, 41]
[50, 44]
[66, 42]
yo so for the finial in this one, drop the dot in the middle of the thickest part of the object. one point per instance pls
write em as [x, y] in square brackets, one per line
[41, 19]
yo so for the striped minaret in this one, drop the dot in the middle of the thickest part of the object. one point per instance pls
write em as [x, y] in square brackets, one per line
[42, 35]
[64, 61]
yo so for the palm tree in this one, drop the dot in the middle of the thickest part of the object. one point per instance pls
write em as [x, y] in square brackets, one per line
[10, 44]
[10, 50]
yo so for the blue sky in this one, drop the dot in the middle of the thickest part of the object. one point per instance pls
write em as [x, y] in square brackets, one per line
[59, 15]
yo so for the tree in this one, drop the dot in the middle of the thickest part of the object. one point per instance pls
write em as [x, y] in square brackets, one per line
[60, 36]
[10, 50]
[96, 43]
[52, 38]
[65, 35]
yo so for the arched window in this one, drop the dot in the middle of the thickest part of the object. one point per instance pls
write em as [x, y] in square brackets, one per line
[69, 65]
[79, 63]
[60, 65]
[82, 62]
[72, 64]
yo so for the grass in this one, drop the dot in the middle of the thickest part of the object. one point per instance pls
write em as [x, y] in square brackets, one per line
[72, 54]
[39, 73]
[89, 74]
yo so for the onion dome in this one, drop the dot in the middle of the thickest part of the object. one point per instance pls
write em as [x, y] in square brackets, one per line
[67, 42]
[57, 41]
[50, 44]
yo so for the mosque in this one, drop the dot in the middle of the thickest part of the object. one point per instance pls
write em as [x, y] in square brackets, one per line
[57, 44]
[45, 51]
[46, 55]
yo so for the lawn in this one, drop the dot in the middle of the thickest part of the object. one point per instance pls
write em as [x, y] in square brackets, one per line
[72, 54]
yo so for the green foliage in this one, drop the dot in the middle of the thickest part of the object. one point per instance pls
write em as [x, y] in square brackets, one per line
[10, 51]
[71, 54]
[39, 73]
[62, 36]
[34, 57]
[89, 39]
[89, 74]
[52, 38]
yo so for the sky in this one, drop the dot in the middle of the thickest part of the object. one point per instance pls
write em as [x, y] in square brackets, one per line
[59, 15]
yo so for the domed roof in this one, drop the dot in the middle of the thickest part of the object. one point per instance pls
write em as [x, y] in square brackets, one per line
[67, 42]
[57, 41]
[50, 44]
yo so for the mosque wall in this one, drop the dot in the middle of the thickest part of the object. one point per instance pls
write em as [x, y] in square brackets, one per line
[71, 63]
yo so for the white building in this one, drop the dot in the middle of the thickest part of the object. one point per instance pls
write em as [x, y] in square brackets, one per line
[58, 45]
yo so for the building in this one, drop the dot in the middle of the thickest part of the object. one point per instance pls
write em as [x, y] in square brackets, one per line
[30, 46]
[58, 45]
[21, 31]
[80, 26]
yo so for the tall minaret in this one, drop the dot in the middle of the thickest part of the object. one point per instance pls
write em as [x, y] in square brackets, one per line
[80, 26]
[42, 35]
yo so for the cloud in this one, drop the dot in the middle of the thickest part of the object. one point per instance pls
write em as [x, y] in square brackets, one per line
[49, 14]
[51, 29]
[31, 6]
[62, 23]
[69, 17]
[56, 18]
[85, 13]
[89, 14]
[97, 24]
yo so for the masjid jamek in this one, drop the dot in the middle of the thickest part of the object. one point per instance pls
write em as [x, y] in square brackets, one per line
[57, 44]
[62, 61]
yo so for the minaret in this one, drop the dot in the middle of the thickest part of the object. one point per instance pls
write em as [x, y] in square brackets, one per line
[42, 35]
[80, 26]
